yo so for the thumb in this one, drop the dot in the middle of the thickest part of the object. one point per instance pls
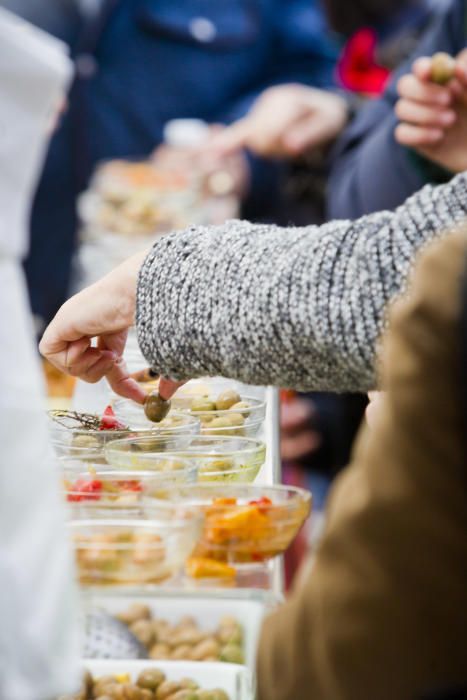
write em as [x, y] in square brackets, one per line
[232, 138]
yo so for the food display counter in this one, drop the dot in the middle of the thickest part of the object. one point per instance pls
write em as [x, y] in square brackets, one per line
[178, 623]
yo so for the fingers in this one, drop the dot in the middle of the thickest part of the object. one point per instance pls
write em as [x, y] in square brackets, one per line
[424, 115]
[124, 385]
[413, 136]
[168, 387]
[231, 139]
[413, 88]
[421, 68]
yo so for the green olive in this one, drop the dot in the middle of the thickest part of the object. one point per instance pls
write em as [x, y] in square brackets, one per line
[219, 423]
[442, 68]
[227, 399]
[232, 654]
[235, 419]
[241, 406]
[166, 689]
[202, 404]
[150, 679]
[155, 407]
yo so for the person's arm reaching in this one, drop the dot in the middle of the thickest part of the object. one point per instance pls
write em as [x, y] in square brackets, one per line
[298, 307]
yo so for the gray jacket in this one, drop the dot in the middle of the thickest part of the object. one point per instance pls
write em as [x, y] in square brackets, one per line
[297, 307]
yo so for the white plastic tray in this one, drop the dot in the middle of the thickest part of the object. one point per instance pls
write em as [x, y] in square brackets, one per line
[248, 607]
[235, 680]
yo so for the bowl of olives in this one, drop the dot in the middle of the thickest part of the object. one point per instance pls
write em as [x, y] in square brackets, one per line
[226, 459]
[227, 413]
[84, 435]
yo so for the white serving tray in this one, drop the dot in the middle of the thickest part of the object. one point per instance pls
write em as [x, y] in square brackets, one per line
[235, 680]
[248, 607]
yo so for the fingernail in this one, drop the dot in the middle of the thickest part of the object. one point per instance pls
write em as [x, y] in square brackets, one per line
[448, 117]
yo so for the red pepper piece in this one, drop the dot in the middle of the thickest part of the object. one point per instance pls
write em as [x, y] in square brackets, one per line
[109, 421]
[262, 503]
[85, 490]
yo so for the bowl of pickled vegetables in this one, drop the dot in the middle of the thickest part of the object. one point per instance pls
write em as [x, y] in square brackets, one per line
[226, 459]
[120, 551]
[243, 524]
[98, 485]
[84, 435]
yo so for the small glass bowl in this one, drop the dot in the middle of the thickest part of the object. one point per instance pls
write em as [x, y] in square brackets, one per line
[226, 459]
[97, 484]
[244, 524]
[129, 552]
[71, 441]
[244, 422]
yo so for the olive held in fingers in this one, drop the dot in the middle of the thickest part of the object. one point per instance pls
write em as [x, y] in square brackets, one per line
[442, 68]
[155, 407]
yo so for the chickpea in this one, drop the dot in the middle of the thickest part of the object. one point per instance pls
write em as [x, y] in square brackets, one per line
[143, 631]
[189, 683]
[227, 399]
[181, 652]
[136, 611]
[159, 651]
[150, 679]
[184, 694]
[208, 647]
[166, 689]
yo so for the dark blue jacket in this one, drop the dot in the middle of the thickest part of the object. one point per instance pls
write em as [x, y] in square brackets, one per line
[143, 62]
[370, 171]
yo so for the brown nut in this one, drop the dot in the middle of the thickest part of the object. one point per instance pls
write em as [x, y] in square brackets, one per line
[159, 651]
[181, 652]
[150, 679]
[208, 647]
[227, 399]
[442, 68]
[136, 611]
[166, 689]
[155, 407]
[143, 631]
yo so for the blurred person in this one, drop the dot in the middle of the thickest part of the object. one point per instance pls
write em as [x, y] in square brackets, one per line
[376, 163]
[38, 635]
[139, 65]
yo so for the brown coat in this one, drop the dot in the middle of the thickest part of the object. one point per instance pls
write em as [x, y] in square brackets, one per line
[383, 613]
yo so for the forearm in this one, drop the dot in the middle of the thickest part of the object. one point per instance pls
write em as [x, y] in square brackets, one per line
[298, 307]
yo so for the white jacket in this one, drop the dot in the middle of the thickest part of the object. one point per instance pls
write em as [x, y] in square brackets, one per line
[38, 630]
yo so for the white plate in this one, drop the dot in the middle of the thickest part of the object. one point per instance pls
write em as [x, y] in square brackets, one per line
[235, 680]
[206, 609]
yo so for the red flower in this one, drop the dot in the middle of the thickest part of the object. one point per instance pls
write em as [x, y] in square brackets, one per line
[357, 68]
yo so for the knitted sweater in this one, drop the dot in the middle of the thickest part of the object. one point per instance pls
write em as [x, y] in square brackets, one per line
[297, 307]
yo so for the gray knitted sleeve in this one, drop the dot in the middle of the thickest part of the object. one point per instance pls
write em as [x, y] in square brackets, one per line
[297, 307]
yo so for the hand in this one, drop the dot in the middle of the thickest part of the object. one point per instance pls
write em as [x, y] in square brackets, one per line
[105, 311]
[374, 406]
[298, 439]
[286, 121]
[434, 117]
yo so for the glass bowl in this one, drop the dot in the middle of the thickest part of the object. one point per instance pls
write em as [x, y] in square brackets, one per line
[244, 419]
[72, 440]
[116, 551]
[244, 524]
[231, 459]
[94, 484]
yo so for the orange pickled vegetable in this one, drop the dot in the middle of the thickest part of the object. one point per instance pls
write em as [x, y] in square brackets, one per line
[204, 567]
